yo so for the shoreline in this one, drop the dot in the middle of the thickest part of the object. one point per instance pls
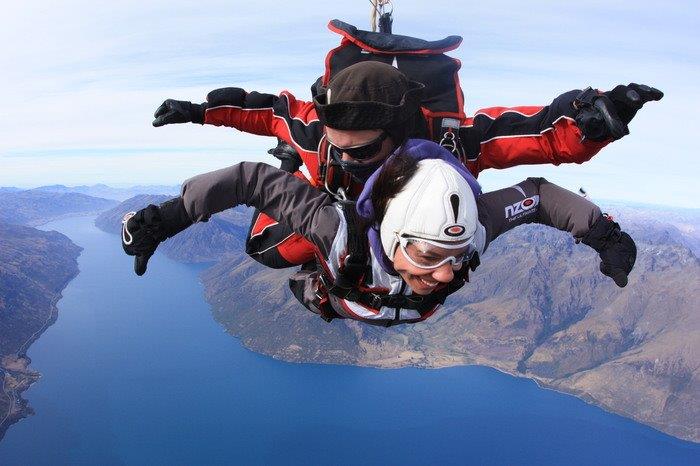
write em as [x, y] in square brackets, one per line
[46, 220]
[18, 407]
[541, 383]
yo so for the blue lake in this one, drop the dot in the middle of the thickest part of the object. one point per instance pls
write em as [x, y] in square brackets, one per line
[136, 371]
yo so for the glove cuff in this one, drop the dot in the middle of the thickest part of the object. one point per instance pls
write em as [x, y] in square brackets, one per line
[622, 98]
[598, 116]
[603, 234]
[174, 217]
[197, 112]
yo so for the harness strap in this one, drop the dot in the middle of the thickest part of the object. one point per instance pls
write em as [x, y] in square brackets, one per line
[356, 263]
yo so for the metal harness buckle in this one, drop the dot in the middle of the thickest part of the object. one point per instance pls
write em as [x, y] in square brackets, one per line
[450, 137]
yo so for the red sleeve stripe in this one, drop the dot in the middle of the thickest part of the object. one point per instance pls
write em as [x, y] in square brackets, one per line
[262, 223]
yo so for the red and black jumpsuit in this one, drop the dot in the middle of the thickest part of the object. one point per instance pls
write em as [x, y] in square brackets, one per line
[499, 137]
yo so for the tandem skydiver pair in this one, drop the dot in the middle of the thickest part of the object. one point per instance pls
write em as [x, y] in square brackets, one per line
[421, 223]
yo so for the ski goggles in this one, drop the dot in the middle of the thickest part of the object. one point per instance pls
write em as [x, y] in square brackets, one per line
[427, 254]
[361, 152]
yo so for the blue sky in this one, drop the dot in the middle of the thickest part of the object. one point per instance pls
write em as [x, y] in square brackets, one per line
[81, 80]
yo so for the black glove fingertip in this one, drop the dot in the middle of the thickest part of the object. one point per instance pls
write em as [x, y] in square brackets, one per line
[620, 279]
[168, 118]
[618, 276]
[140, 264]
[616, 126]
[162, 109]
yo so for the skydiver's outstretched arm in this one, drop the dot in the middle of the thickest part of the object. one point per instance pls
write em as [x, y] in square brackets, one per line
[572, 129]
[297, 204]
[303, 208]
[536, 200]
[283, 116]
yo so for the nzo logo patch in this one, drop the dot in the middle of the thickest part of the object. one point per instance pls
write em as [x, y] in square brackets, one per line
[521, 208]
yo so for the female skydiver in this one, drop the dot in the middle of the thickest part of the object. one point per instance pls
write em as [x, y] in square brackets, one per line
[419, 226]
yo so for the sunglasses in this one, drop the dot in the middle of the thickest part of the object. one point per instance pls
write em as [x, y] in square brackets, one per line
[426, 254]
[363, 152]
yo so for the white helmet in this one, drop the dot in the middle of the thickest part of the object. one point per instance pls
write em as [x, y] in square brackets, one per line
[437, 204]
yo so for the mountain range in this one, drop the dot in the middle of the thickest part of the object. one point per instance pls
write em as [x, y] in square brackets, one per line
[109, 192]
[37, 207]
[537, 307]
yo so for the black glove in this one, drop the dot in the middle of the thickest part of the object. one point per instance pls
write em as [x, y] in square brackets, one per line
[605, 116]
[629, 99]
[291, 160]
[616, 249]
[144, 230]
[179, 111]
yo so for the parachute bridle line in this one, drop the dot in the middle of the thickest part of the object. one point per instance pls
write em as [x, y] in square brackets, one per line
[381, 15]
